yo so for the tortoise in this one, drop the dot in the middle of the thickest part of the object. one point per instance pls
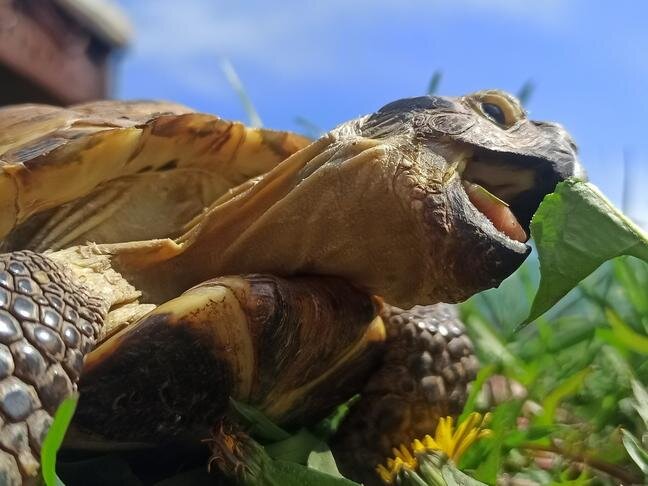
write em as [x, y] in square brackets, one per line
[162, 260]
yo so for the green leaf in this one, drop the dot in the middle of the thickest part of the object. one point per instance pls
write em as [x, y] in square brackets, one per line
[576, 229]
[475, 391]
[567, 387]
[283, 473]
[489, 469]
[503, 422]
[322, 460]
[625, 334]
[429, 469]
[638, 454]
[504, 307]
[54, 439]
[566, 479]
[306, 449]
[490, 344]
[329, 426]
[524, 436]
[632, 275]
[455, 477]
[568, 331]
[250, 464]
[262, 426]
[408, 477]
[641, 400]
[295, 448]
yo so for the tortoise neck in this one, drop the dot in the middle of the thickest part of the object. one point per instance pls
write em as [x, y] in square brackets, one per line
[48, 323]
[93, 270]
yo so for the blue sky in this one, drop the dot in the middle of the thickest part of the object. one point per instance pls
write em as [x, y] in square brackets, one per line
[332, 60]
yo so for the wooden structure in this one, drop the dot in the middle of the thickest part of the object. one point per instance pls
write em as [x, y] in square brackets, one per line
[58, 51]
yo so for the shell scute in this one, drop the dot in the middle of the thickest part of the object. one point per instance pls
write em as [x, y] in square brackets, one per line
[51, 156]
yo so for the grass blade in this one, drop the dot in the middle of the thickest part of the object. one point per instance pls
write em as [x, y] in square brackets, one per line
[54, 439]
[236, 84]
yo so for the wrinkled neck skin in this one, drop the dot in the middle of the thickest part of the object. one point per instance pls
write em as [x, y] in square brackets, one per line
[383, 212]
[337, 208]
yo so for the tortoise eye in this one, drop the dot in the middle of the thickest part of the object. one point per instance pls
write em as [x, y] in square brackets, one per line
[494, 112]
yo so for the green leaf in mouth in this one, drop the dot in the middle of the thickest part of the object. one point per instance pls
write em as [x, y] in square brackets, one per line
[576, 229]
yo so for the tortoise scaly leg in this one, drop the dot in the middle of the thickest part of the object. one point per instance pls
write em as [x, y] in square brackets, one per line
[47, 325]
[425, 373]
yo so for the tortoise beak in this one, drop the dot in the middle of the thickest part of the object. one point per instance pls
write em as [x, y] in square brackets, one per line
[522, 180]
[492, 203]
[484, 255]
[478, 219]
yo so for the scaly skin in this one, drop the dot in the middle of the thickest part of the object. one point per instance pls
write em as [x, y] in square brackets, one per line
[47, 325]
[424, 375]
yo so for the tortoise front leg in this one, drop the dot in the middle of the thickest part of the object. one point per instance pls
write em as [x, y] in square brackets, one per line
[427, 368]
[294, 348]
[47, 325]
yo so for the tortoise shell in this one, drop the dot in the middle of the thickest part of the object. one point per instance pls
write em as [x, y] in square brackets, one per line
[51, 156]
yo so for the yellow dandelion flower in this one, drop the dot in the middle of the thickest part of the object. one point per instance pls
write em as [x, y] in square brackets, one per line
[396, 464]
[404, 454]
[430, 444]
[385, 474]
[453, 442]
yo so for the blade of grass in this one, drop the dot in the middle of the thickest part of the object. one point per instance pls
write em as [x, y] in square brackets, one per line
[262, 426]
[526, 92]
[236, 84]
[435, 80]
[568, 387]
[631, 339]
[54, 439]
[490, 344]
[311, 129]
[638, 454]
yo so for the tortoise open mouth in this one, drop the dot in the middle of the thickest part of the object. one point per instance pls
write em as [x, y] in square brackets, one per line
[505, 189]
[496, 210]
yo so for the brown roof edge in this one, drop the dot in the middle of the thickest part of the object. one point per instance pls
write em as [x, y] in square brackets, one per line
[103, 18]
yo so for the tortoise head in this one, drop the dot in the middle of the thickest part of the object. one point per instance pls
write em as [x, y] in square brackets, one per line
[470, 172]
[429, 199]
